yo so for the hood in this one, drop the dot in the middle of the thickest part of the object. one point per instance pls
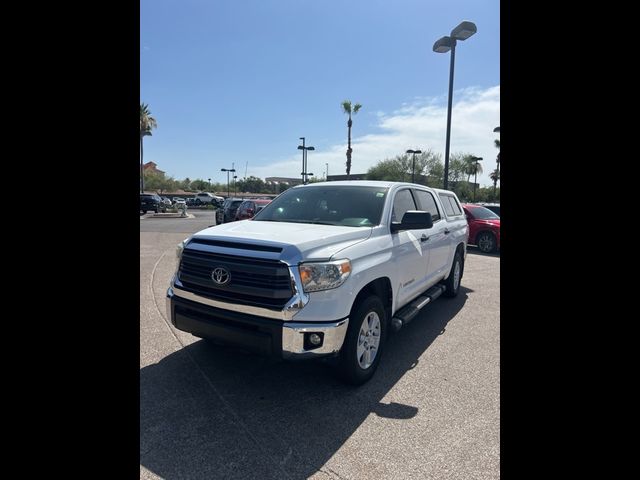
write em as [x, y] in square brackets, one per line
[309, 241]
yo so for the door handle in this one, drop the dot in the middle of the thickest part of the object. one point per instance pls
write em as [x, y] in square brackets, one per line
[447, 231]
[424, 238]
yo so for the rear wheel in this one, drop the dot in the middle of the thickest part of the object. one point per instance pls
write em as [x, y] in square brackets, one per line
[452, 283]
[486, 242]
[364, 341]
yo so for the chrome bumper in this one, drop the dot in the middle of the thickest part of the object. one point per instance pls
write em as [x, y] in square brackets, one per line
[292, 332]
[293, 338]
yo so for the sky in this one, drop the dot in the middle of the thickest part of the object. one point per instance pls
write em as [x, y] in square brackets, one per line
[237, 82]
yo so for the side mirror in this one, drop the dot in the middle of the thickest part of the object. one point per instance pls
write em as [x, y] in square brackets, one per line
[413, 220]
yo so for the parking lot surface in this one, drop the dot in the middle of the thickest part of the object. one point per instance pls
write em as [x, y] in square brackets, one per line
[431, 410]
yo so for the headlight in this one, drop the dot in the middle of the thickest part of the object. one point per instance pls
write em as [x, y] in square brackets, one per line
[181, 246]
[324, 276]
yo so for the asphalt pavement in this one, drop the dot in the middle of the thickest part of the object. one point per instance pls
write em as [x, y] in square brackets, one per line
[431, 411]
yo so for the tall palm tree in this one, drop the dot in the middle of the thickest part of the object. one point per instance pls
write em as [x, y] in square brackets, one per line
[472, 167]
[495, 176]
[147, 123]
[497, 170]
[346, 108]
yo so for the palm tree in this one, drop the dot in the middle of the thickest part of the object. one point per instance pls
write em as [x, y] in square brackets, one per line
[147, 123]
[495, 176]
[472, 167]
[497, 170]
[346, 108]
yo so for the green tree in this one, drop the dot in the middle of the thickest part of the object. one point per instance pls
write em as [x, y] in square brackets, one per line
[185, 184]
[200, 185]
[348, 109]
[472, 167]
[495, 181]
[159, 182]
[398, 169]
[495, 176]
[252, 185]
[147, 123]
[457, 166]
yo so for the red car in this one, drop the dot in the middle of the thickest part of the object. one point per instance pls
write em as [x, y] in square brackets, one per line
[249, 208]
[484, 227]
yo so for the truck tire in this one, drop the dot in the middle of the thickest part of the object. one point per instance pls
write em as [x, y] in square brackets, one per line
[364, 341]
[452, 283]
[486, 242]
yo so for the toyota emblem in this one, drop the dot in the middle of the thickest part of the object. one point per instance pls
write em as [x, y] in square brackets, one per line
[220, 276]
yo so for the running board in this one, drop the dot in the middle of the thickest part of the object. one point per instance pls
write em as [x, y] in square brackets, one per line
[408, 312]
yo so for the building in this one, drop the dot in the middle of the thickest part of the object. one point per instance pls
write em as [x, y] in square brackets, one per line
[283, 180]
[353, 176]
[151, 167]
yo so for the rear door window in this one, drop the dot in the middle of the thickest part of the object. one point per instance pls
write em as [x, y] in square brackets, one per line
[428, 204]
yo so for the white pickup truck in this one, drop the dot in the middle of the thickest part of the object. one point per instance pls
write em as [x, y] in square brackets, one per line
[326, 269]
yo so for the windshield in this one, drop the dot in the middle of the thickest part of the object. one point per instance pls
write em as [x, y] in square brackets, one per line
[343, 205]
[482, 213]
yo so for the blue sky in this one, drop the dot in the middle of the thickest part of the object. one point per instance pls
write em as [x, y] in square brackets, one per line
[237, 81]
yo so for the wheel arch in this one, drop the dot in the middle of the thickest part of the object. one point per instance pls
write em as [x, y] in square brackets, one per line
[380, 287]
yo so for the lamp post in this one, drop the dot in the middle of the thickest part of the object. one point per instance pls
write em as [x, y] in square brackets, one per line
[234, 185]
[413, 168]
[475, 178]
[304, 149]
[143, 134]
[209, 183]
[463, 31]
[327, 171]
[228, 170]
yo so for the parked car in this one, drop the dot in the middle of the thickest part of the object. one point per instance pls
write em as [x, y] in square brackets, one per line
[151, 201]
[208, 198]
[484, 227]
[494, 207]
[249, 208]
[178, 199]
[166, 201]
[325, 270]
[228, 211]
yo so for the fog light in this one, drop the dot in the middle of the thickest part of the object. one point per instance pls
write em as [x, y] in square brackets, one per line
[313, 340]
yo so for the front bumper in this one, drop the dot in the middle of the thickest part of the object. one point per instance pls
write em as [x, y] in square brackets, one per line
[265, 336]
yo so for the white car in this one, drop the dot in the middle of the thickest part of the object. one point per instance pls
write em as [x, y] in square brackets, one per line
[326, 269]
[206, 197]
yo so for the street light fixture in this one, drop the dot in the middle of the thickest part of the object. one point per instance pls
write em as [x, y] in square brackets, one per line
[304, 149]
[327, 171]
[209, 183]
[228, 170]
[475, 179]
[234, 185]
[413, 168]
[463, 31]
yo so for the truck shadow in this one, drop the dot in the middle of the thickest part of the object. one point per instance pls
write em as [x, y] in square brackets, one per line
[211, 412]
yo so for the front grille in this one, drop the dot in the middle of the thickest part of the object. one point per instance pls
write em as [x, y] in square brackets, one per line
[256, 282]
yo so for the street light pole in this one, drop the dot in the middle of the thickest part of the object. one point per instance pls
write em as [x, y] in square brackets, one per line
[475, 178]
[413, 168]
[463, 31]
[228, 170]
[305, 149]
[327, 171]
[209, 184]
[234, 185]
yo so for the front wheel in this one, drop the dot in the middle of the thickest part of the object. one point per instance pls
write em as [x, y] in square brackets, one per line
[364, 341]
